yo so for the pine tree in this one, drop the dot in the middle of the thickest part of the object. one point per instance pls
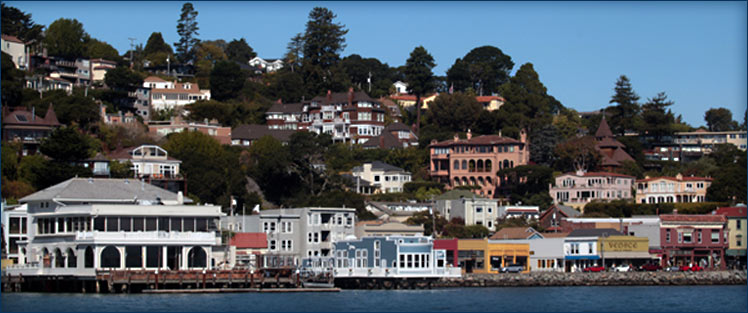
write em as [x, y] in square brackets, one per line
[187, 30]
[419, 77]
[626, 113]
[322, 43]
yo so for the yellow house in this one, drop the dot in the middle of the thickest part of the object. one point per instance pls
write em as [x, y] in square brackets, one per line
[407, 101]
[736, 225]
[480, 256]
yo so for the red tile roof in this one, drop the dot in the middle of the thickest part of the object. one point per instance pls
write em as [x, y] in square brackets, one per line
[249, 241]
[689, 178]
[514, 233]
[693, 218]
[737, 211]
[153, 79]
[480, 140]
[11, 38]
[601, 174]
[488, 98]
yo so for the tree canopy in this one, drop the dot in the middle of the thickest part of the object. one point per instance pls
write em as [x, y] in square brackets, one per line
[66, 38]
[187, 29]
[322, 43]
[239, 51]
[720, 119]
[483, 70]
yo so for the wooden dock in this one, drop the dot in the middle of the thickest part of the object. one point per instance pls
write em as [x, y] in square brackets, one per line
[235, 290]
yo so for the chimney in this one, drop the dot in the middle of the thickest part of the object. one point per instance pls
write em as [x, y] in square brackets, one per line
[350, 96]
[457, 137]
[469, 134]
[329, 95]
[523, 136]
[381, 141]
[279, 101]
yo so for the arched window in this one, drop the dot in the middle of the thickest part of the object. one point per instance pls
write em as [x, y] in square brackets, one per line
[464, 181]
[670, 199]
[457, 182]
[506, 164]
[471, 165]
[59, 259]
[464, 165]
[488, 165]
[196, 257]
[72, 260]
[481, 181]
[88, 258]
[480, 167]
[660, 199]
[489, 180]
[110, 257]
[457, 165]
[473, 181]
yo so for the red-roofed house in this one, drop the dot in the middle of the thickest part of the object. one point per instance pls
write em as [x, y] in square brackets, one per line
[167, 95]
[475, 160]
[578, 189]
[672, 189]
[249, 246]
[490, 103]
[22, 125]
[736, 226]
[693, 239]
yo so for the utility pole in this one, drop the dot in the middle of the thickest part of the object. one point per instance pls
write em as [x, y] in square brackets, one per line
[132, 47]
[369, 81]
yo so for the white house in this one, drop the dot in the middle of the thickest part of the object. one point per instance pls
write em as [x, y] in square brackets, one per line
[382, 176]
[171, 94]
[401, 87]
[99, 68]
[149, 160]
[473, 209]
[269, 65]
[83, 225]
[16, 48]
[15, 229]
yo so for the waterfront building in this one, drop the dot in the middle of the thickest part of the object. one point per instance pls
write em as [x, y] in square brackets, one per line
[579, 188]
[382, 177]
[22, 125]
[486, 257]
[476, 160]
[383, 229]
[623, 250]
[451, 248]
[550, 219]
[391, 257]
[546, 254]
[736, 227]
[474, 210]
[678, 189]
[159, 129]
[15, 226]
[247, 249]
[581, 248]
[152, 164]
[396, 211]
[83, 225]
[172, 94]
[694, 239]
[640, 226]
[297, 233]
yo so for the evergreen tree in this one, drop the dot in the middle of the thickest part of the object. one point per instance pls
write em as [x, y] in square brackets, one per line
[528, 104]
[187, 30]
[66, 38]
[657, 118]
[17, 23]
[156, 44]
[485, 69]
[239, 51]
[419, 77]
[322, 44]
[626, 112]
[719, 119]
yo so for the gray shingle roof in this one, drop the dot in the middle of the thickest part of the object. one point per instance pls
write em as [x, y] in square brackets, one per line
[255, 131]
[569, 211]
[594, 232]
[103, 190]
[457, 194]
[380, 166]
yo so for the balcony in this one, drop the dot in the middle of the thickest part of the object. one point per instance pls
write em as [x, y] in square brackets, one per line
[147, 237]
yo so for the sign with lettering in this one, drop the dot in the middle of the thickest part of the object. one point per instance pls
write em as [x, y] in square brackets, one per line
[625, 244]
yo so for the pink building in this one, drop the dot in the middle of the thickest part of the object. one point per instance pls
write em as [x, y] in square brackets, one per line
[676, 189]
[475, 160]
[578, 189]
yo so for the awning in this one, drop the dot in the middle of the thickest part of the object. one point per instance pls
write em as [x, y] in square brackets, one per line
[582, 257]
[629, 255]
[736, 252]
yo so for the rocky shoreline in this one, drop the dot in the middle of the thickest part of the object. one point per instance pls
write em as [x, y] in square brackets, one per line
[596, 279]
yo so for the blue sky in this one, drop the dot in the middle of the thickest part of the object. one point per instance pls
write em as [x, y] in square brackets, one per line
[694, 51]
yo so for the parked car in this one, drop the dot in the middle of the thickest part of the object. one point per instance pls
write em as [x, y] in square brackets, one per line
[692, 268]
[594, 269]
[673, 269]
[512, 268]
[622, 268]
[650, 267]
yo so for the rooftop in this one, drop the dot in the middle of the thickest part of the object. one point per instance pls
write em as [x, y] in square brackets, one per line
[103, 190]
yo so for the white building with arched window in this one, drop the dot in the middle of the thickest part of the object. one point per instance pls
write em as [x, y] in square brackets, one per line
[83, 225]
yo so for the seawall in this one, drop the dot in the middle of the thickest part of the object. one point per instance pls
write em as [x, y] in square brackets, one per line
[596, 279]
